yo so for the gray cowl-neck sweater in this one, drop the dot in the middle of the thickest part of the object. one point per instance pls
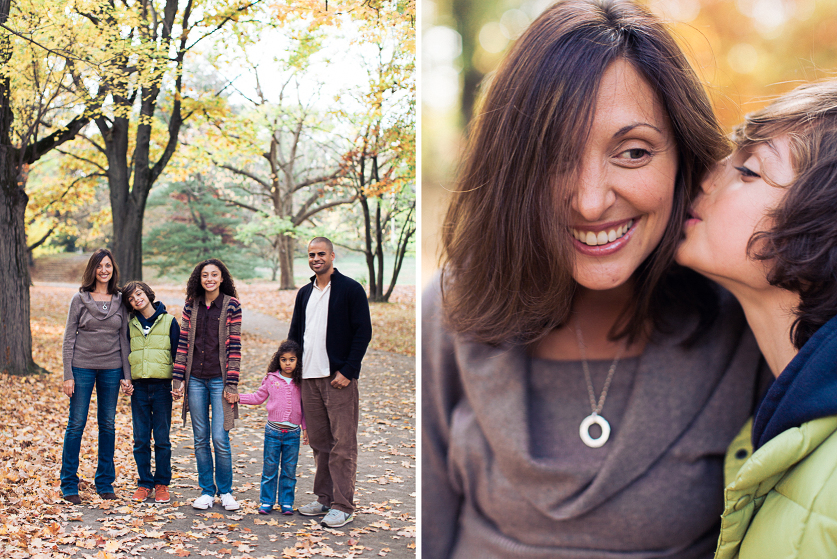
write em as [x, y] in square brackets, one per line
[654, 490]
[96, 338]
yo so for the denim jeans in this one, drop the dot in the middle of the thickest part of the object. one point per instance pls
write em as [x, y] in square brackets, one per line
[280, 448]
[203, 394]
[151, 412]
[106, 382]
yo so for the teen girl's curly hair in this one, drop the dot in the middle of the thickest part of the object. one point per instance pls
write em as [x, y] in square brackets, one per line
[288, 346]
[194, 289]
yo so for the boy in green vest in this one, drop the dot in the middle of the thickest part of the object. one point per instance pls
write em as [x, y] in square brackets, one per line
[153, 336]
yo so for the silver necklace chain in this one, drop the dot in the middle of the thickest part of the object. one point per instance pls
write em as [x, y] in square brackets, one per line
[603, 396]
[594, 418]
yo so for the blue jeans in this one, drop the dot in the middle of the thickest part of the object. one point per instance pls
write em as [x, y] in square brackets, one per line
[280, 448]
[151, 412]
[204, 394]
[106, 382]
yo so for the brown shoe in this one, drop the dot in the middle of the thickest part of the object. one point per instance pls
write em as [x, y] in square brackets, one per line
[108, 496]
[161, 494]
[73, 499]
[141, 494]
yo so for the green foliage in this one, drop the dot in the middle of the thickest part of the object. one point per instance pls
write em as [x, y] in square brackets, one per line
[195, 226]
[265, 226]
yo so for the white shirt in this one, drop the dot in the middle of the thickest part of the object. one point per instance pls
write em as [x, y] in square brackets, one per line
[314, 354]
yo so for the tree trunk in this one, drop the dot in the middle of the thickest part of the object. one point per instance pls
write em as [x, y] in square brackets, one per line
[127, 243]
[378, 296]
[370, 256]
[287, 244]
[127, 203]
[15, 333]
[407, 231]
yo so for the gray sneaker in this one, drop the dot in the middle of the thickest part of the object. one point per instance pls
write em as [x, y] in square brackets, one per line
[337, 518]
[313, 509]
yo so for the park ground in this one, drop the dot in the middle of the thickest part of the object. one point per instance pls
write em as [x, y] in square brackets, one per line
[36, 522]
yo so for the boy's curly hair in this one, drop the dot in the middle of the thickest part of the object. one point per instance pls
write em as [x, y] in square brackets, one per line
[288, 346]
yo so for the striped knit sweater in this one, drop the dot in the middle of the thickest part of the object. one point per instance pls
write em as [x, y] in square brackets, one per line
[229, 353]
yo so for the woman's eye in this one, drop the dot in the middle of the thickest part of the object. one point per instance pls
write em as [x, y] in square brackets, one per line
[747, 173]
[633, 155]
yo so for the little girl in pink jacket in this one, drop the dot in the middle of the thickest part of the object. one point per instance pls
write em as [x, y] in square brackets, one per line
[285, 420]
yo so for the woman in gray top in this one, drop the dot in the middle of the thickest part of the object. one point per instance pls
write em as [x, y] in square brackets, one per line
[95, 354]
[578, 393]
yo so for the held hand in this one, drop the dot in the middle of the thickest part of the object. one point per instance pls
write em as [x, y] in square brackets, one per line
[69, 387]
[177, 393]
[127, 387]
[231, 397]
[340, 381]
[304, 436]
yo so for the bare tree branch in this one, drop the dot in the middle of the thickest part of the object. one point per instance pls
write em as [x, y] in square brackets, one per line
[300, 218]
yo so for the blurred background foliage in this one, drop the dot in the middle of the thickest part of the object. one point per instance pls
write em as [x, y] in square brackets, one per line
[745, 51]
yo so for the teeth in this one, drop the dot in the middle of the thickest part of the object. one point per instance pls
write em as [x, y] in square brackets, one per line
[602, 237]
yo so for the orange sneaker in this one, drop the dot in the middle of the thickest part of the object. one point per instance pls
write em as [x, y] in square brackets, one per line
[162, 494]
[141, 494]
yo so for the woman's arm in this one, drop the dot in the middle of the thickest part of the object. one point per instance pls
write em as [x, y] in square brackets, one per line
[124, 345]
[179, 366]
[70, 332]
[441, 391]
[233, 343]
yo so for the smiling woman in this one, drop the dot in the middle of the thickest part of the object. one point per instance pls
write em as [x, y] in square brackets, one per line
[570, 376]
[95, 356]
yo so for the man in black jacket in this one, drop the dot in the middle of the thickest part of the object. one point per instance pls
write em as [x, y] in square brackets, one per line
[331, 322]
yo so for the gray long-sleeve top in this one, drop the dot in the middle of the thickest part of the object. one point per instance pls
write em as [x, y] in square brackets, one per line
[505, 474]
[95, 338]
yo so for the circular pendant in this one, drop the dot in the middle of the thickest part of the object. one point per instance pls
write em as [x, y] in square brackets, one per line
[584, 430]
[104, 307]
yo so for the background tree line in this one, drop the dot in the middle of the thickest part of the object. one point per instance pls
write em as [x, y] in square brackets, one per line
[171, 130]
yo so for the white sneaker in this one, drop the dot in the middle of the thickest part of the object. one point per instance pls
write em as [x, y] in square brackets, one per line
[203, 502]
[229, 502]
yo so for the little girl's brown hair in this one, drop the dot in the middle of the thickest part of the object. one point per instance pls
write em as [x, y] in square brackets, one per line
[288, 346]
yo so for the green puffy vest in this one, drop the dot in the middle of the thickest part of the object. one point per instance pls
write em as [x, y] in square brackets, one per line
[150, 355]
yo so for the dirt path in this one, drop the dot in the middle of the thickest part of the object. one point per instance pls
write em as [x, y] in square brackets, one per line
[384, 523]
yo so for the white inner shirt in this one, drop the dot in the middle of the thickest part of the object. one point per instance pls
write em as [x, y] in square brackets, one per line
[314, 354]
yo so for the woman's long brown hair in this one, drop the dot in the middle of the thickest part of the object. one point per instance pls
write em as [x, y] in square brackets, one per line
[507, 257]
[88, 278]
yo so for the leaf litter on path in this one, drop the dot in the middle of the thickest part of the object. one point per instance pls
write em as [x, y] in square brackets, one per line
[36, 522]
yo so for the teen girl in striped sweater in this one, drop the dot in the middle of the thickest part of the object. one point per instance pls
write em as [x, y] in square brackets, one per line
[206, 367]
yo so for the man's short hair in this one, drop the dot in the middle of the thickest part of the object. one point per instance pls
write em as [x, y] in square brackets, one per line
[325, 240]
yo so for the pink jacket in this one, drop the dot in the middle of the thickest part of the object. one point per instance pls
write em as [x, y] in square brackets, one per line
[285, 403]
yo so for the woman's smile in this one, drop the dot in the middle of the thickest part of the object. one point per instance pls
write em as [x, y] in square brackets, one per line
[604, 239]
[624, 191]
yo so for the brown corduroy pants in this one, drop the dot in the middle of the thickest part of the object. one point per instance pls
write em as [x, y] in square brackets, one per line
[331, 416]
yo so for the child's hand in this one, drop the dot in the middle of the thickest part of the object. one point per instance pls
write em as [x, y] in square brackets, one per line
[231, 397]
[177, 391]
[127, 387]
[304, 436]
